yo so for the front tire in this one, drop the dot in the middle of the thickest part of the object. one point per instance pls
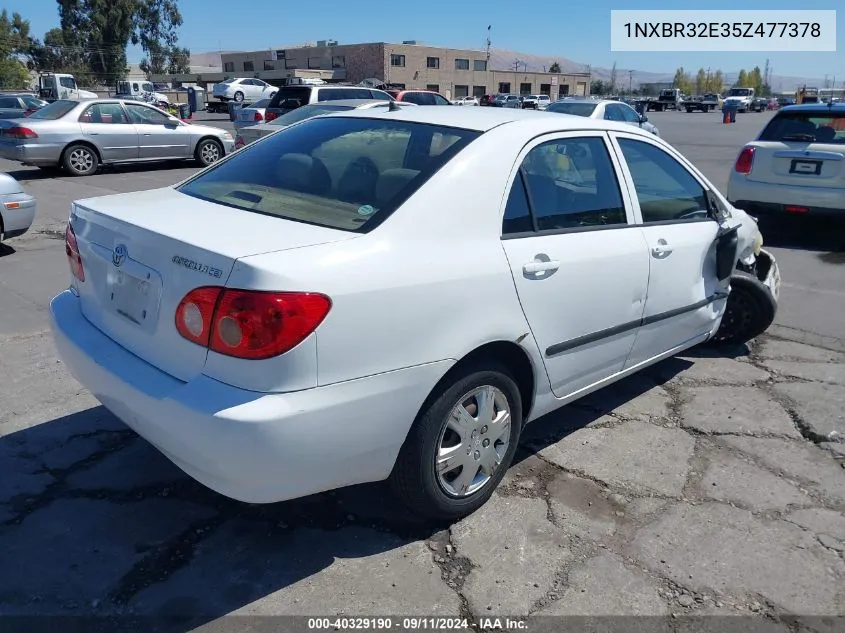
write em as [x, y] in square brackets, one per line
[750, 310]
[80, 160]
[208, 152]
[461, 444]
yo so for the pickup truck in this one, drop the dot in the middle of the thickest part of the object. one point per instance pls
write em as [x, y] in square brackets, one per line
[703, 103]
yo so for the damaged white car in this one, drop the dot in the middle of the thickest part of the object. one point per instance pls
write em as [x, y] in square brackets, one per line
[457, 272]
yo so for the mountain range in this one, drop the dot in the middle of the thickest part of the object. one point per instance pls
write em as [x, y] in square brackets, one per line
[507, 59]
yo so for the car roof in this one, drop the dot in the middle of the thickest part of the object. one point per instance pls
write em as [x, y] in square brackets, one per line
[355, 103]
[815, 107]
[484, 119]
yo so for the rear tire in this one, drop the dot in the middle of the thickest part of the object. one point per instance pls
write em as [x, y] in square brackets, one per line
[416, 479]
[80, 160]
[750, 311]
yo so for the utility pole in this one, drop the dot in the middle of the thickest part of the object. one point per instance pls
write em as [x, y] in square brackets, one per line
[487, 64]
[630, 81]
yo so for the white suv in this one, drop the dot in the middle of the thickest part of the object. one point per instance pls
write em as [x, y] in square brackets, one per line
[796, 164]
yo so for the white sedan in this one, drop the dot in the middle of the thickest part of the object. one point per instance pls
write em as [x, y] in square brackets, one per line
[393, 294]
[239, 89]
[470, 101]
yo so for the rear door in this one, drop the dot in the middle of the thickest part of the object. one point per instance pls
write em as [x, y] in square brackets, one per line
[805, 149]
[685, 298]
[579, 262]
[108, 127]
[158, 135]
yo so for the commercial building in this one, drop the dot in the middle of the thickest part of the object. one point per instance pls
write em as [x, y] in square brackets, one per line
[452, 72]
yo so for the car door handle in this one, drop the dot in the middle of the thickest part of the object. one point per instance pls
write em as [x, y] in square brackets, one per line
[662, 249]
[532, 268]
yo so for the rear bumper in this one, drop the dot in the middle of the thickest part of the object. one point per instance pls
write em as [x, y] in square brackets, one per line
[772, 199]
[252, 447]
[32, 153]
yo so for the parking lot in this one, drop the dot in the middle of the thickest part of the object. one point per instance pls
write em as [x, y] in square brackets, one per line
[706, 485]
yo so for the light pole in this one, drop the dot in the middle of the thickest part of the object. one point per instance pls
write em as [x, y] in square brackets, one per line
[630, 81]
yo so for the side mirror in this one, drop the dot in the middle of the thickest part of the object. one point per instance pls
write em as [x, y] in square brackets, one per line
[643, 118]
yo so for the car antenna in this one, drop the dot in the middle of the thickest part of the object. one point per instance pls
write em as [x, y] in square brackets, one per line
[392, 106]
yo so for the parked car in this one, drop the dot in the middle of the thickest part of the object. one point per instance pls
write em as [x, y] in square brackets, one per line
[252, 114]
[536, 102]
[363, 239]
[17, 208]
[470, 101]
[486, 100]
[604, 109]
[796, 165]
[18, 106]
[243, 88]
[506, 101]
[79, 136]
[419, 97]
[254, 132]
[291, 97]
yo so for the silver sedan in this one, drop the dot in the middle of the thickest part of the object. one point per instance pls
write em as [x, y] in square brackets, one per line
[80, 135]
[17, 208]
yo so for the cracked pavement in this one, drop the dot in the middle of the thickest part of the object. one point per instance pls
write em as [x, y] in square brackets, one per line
[707, 484]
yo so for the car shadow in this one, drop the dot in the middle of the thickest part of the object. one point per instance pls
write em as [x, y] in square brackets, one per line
[31, 174]
[824, 234]
[6, 250]
[97, 524]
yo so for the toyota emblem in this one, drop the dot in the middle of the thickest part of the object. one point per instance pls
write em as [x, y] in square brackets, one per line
[119, 254]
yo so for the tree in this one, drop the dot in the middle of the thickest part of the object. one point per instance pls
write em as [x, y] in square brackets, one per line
[14, 44]
[682, 80]
[716, 82]
[742, 79]
[598, 87]
[554, 68]
[613, 78]
[179, 61]
[755, 79]
[701, 81]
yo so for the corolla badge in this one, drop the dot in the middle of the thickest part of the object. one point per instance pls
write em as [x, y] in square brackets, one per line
[119, 254]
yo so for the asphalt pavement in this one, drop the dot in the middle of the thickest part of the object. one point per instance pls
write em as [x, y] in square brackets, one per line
[710, 484]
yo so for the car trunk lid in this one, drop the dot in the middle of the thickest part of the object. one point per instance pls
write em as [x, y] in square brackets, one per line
[143, 252]
[798, 164]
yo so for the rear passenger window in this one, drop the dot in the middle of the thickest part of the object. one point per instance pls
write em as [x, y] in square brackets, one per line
[572, 184]
[517, 214]
[9, 102]
[665, 189]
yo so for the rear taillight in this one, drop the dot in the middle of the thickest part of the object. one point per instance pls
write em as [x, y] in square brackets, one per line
[74, 260]
[239, 142]
[744, 161]
[249, 324]
[791, 208]
[19, 132]
[269, 116]
[258, 117]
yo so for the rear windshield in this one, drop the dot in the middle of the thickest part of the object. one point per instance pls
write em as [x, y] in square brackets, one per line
[307, 112]
[298, 96]
[572, 107]
[808, 127]
[340, 172]
[53, 111]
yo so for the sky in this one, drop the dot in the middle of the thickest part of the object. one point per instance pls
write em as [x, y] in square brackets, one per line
[578, 30]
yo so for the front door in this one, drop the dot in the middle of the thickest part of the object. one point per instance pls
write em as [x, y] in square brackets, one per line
[107, 126]
[579, 262]
[685, 297]
[159, 136]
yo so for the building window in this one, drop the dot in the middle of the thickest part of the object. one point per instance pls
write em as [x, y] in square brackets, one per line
[249, 66]
[525, 89]
[461, 64]
[461, 91]
[504, 87]
[268, 65]
[397, 60]
[479, 65]
[563, 90]
[433, 87]
[229, 67]
[432, 62]
[479, 91]
[290, 64]
[280, 54]
[339, 61]
[545, 89]
[314, 62]
[393, 86]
